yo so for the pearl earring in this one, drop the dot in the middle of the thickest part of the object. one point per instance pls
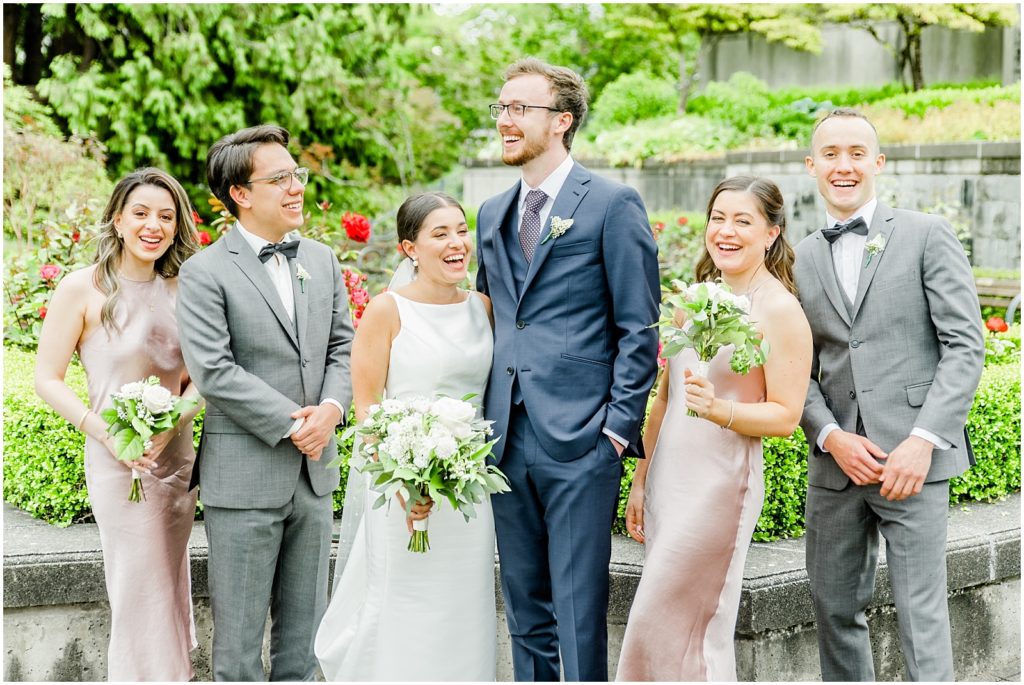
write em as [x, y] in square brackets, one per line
[415, 263]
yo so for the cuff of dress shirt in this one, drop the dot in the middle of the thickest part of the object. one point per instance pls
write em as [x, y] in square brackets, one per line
[825, 432]
[295, 427]
[616, 437]
[336, 403]
[939, 443]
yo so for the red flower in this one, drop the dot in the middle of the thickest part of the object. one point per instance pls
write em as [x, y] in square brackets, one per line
[42, 312]
[48, 272]
[659, 226]
[996, 325]
[196, 218]
[360, 297]
[356, 226]
[202, 237]
[76, 236]
[661, 360]
[325, 205]
[683, 221]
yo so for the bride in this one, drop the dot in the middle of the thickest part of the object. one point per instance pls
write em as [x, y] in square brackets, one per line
[398, 615]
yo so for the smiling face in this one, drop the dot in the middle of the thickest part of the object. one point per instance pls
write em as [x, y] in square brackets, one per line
[538, 132]
[845, 160]
[738, 234]
[264, 208]
[442, 246]
[146, 225]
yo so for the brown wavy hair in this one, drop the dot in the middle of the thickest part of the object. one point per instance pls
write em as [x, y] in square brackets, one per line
[110, 247]
[568, 87]
[780, 256]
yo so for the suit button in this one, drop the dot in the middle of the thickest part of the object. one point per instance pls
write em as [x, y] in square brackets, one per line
[510, 370]
[305, 363]
[855, 344]
[520, 324]
[853, 395]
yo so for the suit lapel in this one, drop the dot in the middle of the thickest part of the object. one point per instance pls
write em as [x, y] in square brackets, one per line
[504, 266]
[568, 200]
[300, 294]
[881, 224]
[252, 268]
[822, 256]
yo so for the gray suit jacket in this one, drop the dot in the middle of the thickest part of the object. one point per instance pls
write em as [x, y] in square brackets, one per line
[255, 367]
[911, 352]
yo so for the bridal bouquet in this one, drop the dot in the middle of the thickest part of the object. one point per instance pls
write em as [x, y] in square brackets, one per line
[427, 448]
[714, 318]
[141, 410]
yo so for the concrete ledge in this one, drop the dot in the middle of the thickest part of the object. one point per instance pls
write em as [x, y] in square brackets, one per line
[56, 620]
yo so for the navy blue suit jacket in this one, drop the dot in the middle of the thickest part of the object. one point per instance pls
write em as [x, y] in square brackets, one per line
[578, 338]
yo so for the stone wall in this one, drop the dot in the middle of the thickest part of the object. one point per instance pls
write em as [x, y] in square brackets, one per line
[973, 184]
[851, 56]
[57, 622]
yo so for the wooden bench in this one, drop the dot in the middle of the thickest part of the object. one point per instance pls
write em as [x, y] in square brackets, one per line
[998, 292]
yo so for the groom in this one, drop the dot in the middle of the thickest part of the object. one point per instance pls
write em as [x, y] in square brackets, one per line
[570, 264]
[898, 352]
[265, 333]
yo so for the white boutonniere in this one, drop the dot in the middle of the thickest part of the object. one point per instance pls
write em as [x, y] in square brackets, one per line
[558, 228]
[302, 275]
[874, 246]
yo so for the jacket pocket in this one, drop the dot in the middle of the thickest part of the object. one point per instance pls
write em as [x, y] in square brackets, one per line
[568, 249]
[584, 360]
[917, 392]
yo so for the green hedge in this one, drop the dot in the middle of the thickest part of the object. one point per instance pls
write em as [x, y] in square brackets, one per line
[44, 474]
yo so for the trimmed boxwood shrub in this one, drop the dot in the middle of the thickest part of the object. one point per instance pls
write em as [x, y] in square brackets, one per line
[44, 474]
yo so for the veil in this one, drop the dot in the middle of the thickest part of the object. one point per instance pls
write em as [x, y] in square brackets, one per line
[352, 511]
[404, 275]
[356, 486]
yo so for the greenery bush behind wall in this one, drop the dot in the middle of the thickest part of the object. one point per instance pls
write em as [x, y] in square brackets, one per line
[44, 475]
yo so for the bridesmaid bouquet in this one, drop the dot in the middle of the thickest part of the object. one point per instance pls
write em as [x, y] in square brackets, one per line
[427, 448]
[141, 410]
[714, 318]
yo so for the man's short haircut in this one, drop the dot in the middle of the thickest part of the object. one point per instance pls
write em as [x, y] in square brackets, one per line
[847, 112]
[230, 160]
[570, 90]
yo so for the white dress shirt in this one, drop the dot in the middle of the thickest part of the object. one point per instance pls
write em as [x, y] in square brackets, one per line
[848, 259]
[552, 185]
[281, 276]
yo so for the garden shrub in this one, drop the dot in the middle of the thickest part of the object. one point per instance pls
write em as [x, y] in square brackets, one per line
[632, 97]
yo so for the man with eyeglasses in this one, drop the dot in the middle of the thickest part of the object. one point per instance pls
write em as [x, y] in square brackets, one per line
[266, 335]
[570, 264]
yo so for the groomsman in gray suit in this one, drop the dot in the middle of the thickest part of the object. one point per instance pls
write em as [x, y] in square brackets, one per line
[898, 353]
[265, 333]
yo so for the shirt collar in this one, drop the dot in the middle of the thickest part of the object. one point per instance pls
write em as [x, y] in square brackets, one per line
[867, 212]
[552, 185]
[255, 242]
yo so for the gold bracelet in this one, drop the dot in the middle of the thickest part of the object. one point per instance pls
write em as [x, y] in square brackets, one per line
[81, 421]
[732, 413]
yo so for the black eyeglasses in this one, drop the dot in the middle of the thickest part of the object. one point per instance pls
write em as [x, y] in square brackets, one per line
[516, 110]
[283, 180]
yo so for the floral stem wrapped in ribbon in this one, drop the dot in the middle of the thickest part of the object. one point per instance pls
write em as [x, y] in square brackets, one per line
[141, 410]
[714, 318]
[422, 448]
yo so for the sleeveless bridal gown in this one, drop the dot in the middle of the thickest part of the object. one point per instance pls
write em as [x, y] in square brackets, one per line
[397, 615]
[703, 496]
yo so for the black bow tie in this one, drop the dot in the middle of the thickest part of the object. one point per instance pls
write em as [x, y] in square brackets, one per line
[856, 226]
[288, 249]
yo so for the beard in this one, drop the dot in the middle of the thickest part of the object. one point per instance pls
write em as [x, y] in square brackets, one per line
[531, 150]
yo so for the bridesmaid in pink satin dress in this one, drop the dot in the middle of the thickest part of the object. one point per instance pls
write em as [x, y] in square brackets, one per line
[696, 499]
[118, 314]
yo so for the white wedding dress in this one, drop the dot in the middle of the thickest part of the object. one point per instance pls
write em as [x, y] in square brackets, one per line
[397, 615]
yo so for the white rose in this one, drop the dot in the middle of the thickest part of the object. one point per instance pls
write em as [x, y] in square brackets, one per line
[455, 415]
[132, 391]
[392, 407]
[157, 399]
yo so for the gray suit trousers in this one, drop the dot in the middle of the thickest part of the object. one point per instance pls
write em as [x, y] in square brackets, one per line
[264, 556]
[842, 555]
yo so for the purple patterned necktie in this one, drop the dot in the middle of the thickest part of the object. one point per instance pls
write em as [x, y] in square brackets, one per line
[529, 232]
